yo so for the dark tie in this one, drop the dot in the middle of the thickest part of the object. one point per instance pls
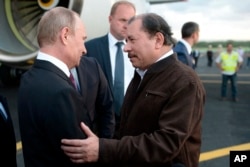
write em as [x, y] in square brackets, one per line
[119, 79]
[75, 77]
[72, 80]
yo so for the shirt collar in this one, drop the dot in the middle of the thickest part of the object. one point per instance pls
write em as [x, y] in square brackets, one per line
[113, 40]
[143, 72]
[187, 45]
[166, 55]
[61, 65]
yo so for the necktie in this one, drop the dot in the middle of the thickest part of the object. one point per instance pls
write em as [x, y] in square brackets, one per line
[72, 80]
[75, 77]
[119, 78]
[192, 61]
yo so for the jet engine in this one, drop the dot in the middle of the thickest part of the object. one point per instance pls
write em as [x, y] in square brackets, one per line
[18, 45]
[19, 20]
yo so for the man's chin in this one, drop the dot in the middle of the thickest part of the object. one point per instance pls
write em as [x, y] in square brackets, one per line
[134, 63]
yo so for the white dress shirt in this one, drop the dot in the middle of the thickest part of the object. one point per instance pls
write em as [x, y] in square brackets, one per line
[129, 69]
[187, 45]
[61, 65]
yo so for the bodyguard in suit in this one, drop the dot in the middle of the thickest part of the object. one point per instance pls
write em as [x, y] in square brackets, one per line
[7, 139]
[96, 93]
[104, 49]
[183, 48]
[196, 55]
[50, 108]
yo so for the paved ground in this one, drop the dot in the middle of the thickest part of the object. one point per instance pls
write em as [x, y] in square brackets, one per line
[225, 123]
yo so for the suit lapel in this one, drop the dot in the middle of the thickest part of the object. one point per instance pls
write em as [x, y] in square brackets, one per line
[106, 60]
[82, 79]
[188, 56]
[83, 82]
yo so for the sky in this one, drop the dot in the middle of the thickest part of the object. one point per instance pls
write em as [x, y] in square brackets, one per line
[218, 19]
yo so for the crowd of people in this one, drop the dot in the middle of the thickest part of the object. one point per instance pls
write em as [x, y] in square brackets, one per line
[118, 99]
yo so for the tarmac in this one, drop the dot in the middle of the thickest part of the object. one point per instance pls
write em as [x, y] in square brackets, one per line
[225, 125]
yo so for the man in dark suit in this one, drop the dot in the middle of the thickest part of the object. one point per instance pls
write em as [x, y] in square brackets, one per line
[183, 48]
[7, 139]
[50, 108]
[104, 49]
[94, 88]
[162, 110]
[195, 54]
[210, 55]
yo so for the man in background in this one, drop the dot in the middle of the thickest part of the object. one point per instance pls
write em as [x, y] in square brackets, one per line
[108, 48]
[229, 63]
[183, 48]
[196, 54]
[241, 52]
[94, 89]
[210, 55]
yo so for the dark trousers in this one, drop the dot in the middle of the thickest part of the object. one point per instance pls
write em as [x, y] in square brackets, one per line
[209, 61]
[195, 61]
[233, 81]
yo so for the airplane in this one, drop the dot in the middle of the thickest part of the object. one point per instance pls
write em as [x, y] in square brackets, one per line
[18, 45]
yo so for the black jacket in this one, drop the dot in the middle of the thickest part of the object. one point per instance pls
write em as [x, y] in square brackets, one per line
[7, 139]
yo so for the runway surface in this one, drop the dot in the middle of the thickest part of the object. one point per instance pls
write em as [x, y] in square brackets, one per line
[226, 124]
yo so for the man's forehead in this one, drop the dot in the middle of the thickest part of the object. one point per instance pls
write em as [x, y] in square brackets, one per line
[132, 32]
[134, 25]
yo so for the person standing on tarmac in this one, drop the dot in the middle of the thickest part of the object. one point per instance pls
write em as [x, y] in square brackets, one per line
[183, 48]
[229, 63]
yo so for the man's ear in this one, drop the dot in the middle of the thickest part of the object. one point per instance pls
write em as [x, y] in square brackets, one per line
[159, 40]
[64, 34]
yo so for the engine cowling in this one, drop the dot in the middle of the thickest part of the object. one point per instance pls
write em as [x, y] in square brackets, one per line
[19, 20]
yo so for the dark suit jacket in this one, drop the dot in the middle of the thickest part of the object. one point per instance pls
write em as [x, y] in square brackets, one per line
[99, 48]
[50, 109]
[161, 120]
[97, 96]
[7, 139]
[183, 55]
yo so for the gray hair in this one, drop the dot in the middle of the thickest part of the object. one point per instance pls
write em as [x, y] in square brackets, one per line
[52, 22]
[152, 24]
